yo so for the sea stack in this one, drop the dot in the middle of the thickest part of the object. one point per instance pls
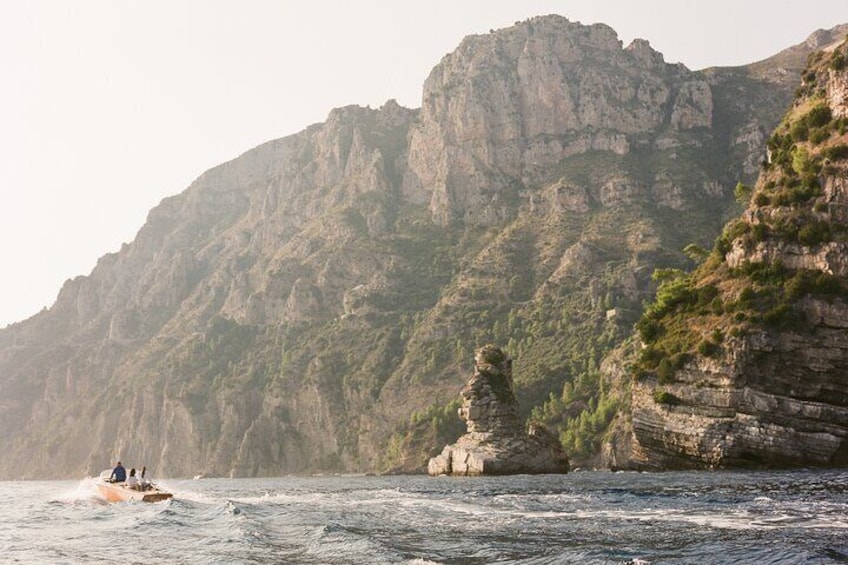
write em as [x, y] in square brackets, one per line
[496, 442]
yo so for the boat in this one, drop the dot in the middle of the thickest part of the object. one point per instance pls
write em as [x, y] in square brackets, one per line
[120, 492]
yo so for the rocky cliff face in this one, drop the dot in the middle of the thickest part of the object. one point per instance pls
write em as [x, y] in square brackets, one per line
[312, 301]
[505, 108]
[744, 361]
[495, 442]
[169, 352]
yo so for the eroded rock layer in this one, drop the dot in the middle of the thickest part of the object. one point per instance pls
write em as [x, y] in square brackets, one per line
[745, 361]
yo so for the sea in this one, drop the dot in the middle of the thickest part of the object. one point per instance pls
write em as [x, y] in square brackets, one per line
[582, 517]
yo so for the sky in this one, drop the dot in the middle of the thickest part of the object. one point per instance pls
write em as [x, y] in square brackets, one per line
[108, 106]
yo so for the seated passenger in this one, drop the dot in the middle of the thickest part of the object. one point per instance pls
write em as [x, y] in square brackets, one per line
[132, 480]
[144, 482]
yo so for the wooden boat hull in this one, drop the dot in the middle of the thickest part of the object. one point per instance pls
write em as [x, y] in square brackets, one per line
[117, 492]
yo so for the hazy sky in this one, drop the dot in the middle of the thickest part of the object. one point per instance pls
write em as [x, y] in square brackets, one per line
[107, 106]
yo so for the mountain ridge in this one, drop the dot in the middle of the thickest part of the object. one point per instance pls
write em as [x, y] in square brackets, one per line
[309, 305]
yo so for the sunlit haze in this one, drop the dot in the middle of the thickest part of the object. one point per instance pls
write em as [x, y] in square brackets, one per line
[107, 106]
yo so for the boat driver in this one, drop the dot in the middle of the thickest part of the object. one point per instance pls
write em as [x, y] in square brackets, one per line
[119, 474]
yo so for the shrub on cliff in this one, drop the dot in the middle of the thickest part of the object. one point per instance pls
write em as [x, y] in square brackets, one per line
[665, 397]
[835, 152]
[818, 135]
[814, 233]
[708, 349]
[819, 116]
[805, 283]
[649, 329]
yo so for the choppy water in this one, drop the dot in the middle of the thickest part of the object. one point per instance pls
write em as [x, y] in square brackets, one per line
[743, 518]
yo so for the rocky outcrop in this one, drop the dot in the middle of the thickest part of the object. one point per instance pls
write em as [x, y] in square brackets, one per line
[496, 443]
[757, 375]
[774, 399]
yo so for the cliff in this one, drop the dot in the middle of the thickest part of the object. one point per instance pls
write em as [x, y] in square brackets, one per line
[308, 306]
[744, 362]
[504, 109]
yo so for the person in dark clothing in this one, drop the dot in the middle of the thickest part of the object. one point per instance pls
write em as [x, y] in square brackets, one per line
[119, 474]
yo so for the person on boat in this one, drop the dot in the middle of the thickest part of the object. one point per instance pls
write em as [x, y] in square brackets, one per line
[143, 481]
[132, 480]
[119, 474]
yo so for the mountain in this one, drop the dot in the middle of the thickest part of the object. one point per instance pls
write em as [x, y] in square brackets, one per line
[313, 304]
[744, 361]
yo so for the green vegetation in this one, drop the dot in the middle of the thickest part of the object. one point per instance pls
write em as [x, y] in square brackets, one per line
[801, 162]
[583, 413]
[836, 152]
[837, 61]
[773, 291]
[814, 233]
[742, 192]
[819, 116]
[690, 316]
[695, 252]
[665, 397]
[423, 435]
[707, 348]
[668, 346]
[224, 357]
[785, 145]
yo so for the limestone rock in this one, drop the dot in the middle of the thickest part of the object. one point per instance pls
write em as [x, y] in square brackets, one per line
[837, 93]
[766, 385]
[774, 400]
[496, 443]
[503, 108]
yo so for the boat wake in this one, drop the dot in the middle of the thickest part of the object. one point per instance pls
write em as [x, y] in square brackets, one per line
[84, 491]
[603, 518]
